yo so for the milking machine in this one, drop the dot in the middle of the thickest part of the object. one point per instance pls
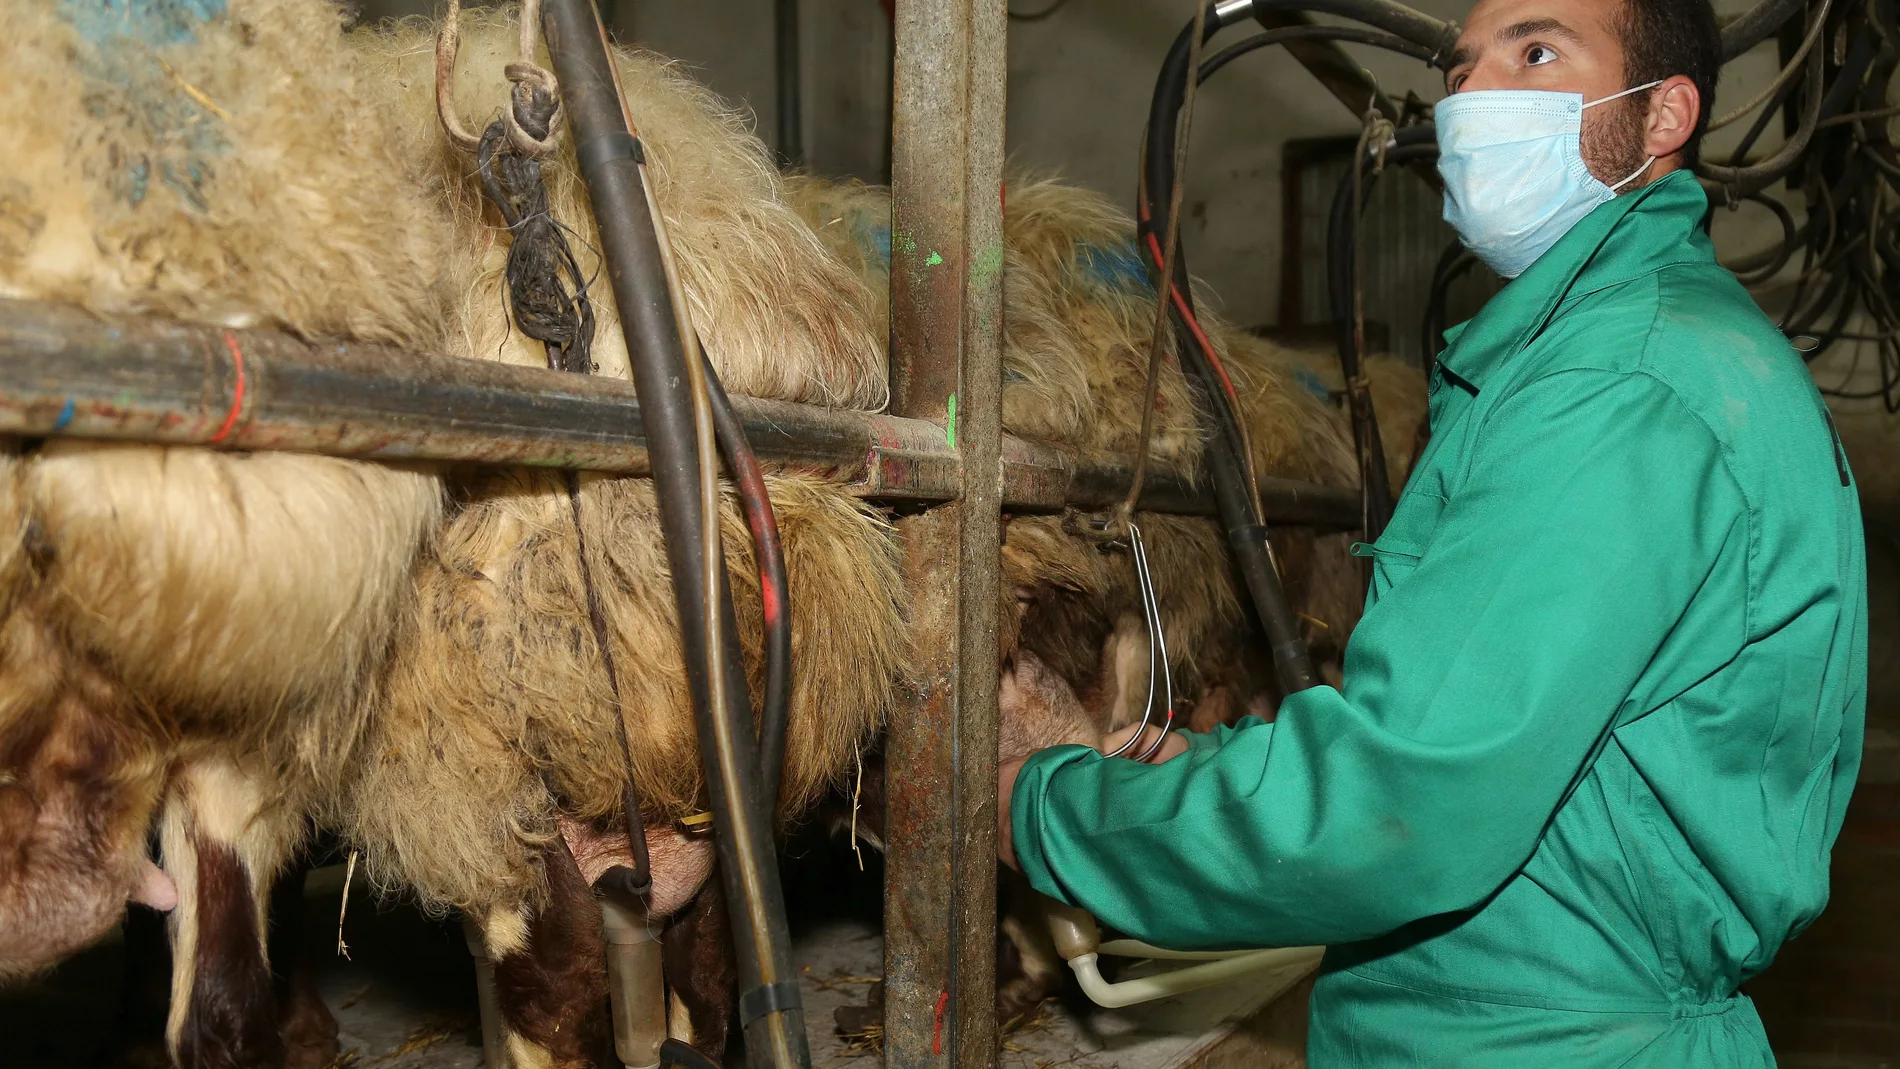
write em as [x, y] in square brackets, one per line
[677, 400]
[689, 424]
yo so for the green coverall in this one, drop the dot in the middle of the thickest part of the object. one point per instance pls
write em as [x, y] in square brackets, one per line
[1600, 720]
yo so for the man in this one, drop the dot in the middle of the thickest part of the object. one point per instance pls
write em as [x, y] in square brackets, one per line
[1599, 724]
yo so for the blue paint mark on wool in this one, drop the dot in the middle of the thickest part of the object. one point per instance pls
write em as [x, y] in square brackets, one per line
[149, 22]
[65, 417]
[1312, 383]
[875, 239]
[1116, 266]
[180, 126]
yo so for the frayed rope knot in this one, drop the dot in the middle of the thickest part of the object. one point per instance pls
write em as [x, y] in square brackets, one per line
[547, 293]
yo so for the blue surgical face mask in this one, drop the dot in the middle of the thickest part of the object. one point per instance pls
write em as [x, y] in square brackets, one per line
[1515, 180]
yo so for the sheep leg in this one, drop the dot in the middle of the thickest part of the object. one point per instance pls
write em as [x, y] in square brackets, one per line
[308, 1028]
[696, 953]
[222, 850]
[551, 973]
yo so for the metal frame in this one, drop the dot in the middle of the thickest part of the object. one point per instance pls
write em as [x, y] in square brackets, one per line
[66, 372]
[940, 456]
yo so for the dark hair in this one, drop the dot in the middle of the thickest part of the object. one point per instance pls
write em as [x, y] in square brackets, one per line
[1664, 38]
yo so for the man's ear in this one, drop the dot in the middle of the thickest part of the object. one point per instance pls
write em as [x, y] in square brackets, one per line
[1673, 108]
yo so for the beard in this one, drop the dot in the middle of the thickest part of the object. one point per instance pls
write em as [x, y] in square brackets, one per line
[1612, 142]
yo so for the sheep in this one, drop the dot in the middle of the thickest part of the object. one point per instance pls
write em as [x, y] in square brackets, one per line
[491, 779]
[1078, 311]
[1078, 317]
[192, 635]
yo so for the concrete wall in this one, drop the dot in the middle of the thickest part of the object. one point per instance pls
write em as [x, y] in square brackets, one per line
[1080, 80]
[1079, 88]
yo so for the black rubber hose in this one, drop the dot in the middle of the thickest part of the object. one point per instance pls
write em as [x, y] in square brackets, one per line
[1769, 110]
[610, 160]
[1452, 264]
[1875, 96]
[775, 595]
[1418, 142]
[1394, 18]
[1761, 266]
[1155, 184]
[1802, 319]
[1837, 100]
[1803, 277]
[1350, 34]
[787, 60]
[1753, 26]
[1837, 290]
[1246, 532]
[1753, 178]
[1832, 334]
[1862, 53]
[1253, 552]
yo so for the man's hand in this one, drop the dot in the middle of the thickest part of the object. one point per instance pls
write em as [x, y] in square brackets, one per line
[1006, 774]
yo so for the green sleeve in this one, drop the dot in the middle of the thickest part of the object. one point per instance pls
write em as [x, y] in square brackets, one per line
[1477, 690]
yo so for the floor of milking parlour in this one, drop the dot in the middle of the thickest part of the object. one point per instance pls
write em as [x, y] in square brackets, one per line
[839, 948]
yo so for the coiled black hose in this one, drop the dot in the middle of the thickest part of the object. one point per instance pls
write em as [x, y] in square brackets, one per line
[1452, 264]
[1357, 35]
[1740, 181]
[1762, 267]
[1753, 26]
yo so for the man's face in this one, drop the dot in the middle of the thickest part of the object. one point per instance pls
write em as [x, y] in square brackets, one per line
[1563, 46]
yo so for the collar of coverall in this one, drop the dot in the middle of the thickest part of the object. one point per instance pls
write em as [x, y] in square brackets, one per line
[1625, 238]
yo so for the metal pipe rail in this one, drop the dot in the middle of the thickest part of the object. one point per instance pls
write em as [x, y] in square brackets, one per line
[66, 372]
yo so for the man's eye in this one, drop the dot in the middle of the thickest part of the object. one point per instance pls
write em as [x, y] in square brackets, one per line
[1454, 82]
[1538, 55]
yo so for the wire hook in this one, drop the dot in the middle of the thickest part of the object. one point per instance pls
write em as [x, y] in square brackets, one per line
[1157, 652]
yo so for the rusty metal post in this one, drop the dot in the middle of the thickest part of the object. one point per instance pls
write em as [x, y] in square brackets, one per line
[946, 319]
